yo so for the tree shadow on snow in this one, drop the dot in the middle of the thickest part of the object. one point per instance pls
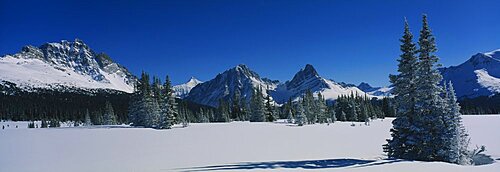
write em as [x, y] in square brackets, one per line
[305, 164]
[482, 159]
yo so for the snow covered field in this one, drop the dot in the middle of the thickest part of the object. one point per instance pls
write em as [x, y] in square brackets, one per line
[226, 146]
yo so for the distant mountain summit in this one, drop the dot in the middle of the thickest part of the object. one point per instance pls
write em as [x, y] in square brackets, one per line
[478, 76]
[309, 79]
[183, 90]
[64, 64]
[239, 79]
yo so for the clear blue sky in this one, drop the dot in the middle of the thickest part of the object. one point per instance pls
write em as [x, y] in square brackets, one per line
[350, 41]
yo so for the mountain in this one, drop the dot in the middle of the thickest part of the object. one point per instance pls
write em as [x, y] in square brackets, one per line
[63, 65]
[478, 76]
[182, 90]
[238, 79]
[375, 91]
[309, 79]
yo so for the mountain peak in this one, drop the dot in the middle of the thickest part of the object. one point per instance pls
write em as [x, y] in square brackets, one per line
[193, 80]
[364, 86]
[306, 73]
[483, 58]
[183, 90]
[310, 70]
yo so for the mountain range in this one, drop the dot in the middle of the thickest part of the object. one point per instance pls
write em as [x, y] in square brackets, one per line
[63, 65]
[73, 64]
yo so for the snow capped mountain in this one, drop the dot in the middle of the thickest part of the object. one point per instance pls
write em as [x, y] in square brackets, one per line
[375, 91]
[64, 64]
[183, 90]
[478, 76]
[309, 79]
[238, 79]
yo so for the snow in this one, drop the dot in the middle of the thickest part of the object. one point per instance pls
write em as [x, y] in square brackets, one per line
[182, 90]
[488, 81]
[335, 90]
[35, 73]
[216, 146]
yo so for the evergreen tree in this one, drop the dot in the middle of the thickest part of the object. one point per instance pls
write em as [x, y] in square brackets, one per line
[222, 111]
[321, 109]
[244, 110]
[109, 117]
[333, 115]
[456, 139]
[343, 116]
[168, 108]
[290, 118]
[88, 122]
[236, 110]
[402, 143]
[44, 124]
[270, 115]
[152, 113]
[300, 117]
[429, 106]
[354, 112]
[257, 107]
[386, 108]
[309, 107]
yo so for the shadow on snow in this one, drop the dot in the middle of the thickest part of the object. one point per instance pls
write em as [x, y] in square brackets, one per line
[305, 164]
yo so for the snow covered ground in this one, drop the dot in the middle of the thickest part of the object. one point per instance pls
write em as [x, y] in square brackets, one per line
[225, 146]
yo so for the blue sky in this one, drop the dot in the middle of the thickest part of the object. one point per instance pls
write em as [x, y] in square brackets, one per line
[350, 41]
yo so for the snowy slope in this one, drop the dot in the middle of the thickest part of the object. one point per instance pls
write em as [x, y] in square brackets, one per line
[478, 76]
[182, 90]
[64, 64]
[236, 146]
[375, 91]
[309, 79]
[238, 79]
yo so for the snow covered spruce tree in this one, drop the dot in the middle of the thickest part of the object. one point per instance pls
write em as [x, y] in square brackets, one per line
[456, 137]
[300, 116]
[429, 105]
[168, 106]
[402, 144]
[109, 117]
[269, 110]
[309, 106]
[257, 107]
[426, 127]
[321, 109]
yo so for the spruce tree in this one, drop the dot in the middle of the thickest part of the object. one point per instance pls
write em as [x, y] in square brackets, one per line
[456, 140]
[429, 106]
[321, 109]
[290, 118]
[88, 121]
[270, 114]
[257, 107]
[300, 116]
[308, 104]
[168, 106]
[402, 143]
[343, 116]
[109, 117]
[236, 113]
[333, 115]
